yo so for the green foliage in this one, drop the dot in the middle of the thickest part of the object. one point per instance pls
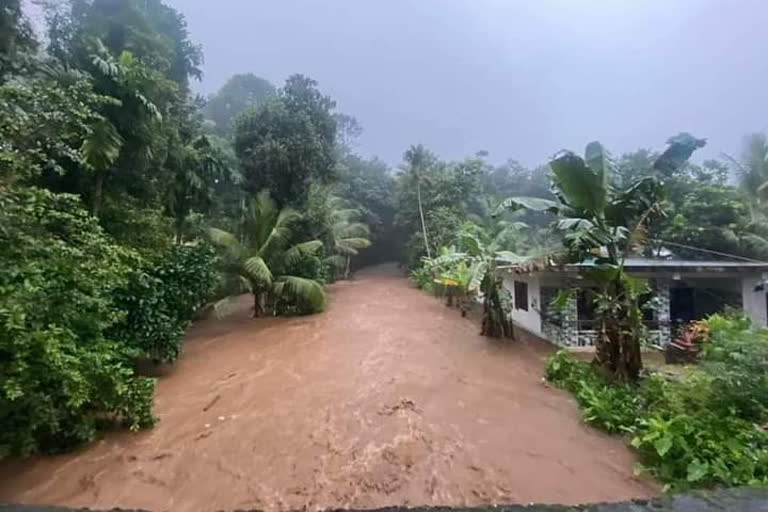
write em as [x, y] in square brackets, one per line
[715, 218]
[17, 40]
[612, 408]
[61, 376]
[287, 142]
[423, 278]
[473, 269]
[602, 224]
[161, 298]
[45, 126]
[332, 221]
[427, 185]
[369, 187]
[259, 253]
[149, 29]
[737, 358]
[241, 92]
[700, 429]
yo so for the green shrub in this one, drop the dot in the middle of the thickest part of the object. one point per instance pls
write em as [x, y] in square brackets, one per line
[737, 358]
[612, 408]
[161, 298]
[423, 278]
[60, 377]
[309, 266]
[698, 430]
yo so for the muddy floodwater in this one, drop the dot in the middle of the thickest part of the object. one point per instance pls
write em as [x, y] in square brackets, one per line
[387, 398]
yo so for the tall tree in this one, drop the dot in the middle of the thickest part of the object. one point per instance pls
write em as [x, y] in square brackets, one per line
[417, 157]
[752, 169]
[17, 39]
[240, 93]
[288, 142]
[150, 30]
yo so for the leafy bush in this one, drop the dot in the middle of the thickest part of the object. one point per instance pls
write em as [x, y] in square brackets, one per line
[737, 358]
[308, 266]
[702, 429]
[612, 408]
[161, 298]
[61, 378]
[423, 278]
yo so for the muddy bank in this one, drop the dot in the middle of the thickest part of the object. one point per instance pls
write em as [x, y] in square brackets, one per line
[388, 398]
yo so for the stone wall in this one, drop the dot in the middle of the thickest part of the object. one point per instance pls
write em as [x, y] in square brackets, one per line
[565, 332]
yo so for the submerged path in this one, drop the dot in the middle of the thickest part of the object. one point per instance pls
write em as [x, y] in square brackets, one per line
[387, 398]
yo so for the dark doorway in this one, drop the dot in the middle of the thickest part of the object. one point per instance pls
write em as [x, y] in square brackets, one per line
[687, 303]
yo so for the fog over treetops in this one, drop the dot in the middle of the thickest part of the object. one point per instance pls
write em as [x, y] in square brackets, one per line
[518, 79]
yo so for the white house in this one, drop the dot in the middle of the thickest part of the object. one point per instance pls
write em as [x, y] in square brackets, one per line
[686, 290]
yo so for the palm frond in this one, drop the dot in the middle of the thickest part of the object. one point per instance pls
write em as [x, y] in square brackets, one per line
[353, 244]
[509, 257]
[258, 270]
[301, 289]
[102, 145]
[299, 251]
[351, 230]
[336, 260]
[228, 242]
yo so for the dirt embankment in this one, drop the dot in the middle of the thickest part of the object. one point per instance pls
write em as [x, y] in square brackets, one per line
[388, 398]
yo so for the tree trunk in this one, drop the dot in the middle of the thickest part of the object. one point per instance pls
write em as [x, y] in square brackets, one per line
[179, 230]
[258, 304]
[618, 344]
[98, 190]
[495, 321]
[421, 214]
[346, 269]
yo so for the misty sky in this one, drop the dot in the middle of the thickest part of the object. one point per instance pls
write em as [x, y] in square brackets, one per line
[518, 79]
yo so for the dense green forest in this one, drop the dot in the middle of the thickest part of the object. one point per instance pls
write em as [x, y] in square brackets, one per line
[128, 202]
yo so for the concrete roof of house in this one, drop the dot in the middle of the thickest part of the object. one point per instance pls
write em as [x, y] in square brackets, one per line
[661, 265]
[649, 262]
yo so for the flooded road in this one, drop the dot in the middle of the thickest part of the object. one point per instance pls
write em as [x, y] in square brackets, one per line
[387, 398]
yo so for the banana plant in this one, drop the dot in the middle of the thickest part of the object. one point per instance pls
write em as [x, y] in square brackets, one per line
[602, 224]
[481, 278]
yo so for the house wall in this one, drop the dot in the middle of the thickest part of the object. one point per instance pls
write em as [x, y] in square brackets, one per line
[531, 319]
[567, 334]
[754, 303]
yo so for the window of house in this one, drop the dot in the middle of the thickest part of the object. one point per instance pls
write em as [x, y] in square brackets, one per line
[521, 295]
[548, 313]
[585, 309]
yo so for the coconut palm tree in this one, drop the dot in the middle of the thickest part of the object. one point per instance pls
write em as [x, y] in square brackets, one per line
[602, 224]
[752, 169]
[347, 235]
[417, 158]
[258, 253]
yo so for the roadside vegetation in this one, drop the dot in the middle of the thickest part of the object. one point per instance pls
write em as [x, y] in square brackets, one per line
[128, 204]
[704, 427]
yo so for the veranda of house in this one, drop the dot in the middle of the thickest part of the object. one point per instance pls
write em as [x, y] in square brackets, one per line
[681, 291]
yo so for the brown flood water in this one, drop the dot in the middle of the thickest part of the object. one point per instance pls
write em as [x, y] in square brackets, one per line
[387, 398]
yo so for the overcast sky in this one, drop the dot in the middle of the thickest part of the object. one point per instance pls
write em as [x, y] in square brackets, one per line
[520, 79]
